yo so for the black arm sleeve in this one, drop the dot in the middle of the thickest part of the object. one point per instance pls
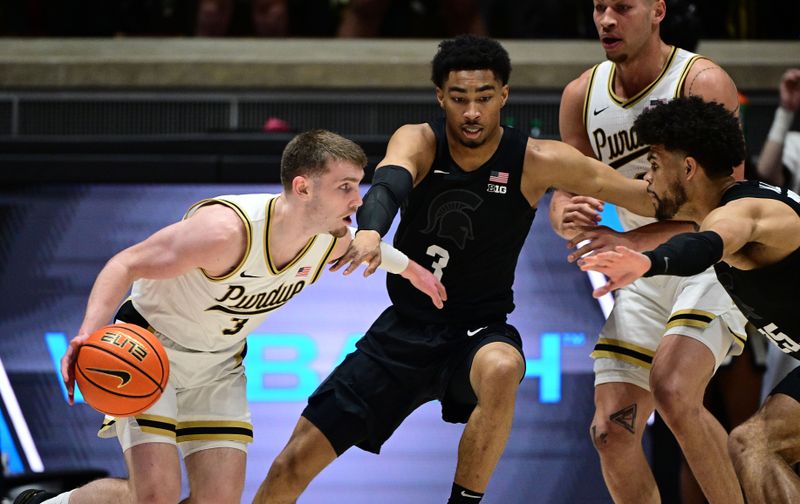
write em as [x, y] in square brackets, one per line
[685, 254]
[391, 185]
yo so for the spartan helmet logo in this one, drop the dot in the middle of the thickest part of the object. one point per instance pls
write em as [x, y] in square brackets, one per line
[448, 216]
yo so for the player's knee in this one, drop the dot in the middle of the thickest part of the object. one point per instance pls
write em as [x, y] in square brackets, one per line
[673, 401]
[167, 494]
[285, 470]
[500, 371]
[612, 440]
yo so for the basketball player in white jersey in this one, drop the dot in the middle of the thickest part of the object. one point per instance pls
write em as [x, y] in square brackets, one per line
[202, 285]
[664, 339]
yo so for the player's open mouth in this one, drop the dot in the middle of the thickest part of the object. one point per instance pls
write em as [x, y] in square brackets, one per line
[348, 220]
[610, 42]
[471, 131]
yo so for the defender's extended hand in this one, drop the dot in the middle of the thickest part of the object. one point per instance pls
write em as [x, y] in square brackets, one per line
[600, 239]
[581, 211]
[425, 282]
[365, 248]
[622, 267]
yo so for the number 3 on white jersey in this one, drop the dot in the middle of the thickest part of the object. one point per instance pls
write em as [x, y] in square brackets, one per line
[442, 258]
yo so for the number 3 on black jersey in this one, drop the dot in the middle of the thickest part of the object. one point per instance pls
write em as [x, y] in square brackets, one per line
[442, 258]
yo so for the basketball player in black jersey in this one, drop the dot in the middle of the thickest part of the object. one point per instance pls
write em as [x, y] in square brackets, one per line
[469, 190]
[750, 232]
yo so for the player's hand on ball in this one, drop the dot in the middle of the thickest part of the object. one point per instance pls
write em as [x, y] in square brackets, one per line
[68, 364]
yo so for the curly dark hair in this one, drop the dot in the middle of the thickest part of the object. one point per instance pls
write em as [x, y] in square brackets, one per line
[470, 52]
[706, 131]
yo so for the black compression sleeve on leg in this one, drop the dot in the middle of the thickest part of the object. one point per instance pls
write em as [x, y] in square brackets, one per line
[391, 185]
[685, 254]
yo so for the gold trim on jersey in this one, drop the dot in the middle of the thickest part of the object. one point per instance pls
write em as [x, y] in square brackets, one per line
[739, 339]
[155, 424]
[248, 229]
[227, 430]
[324, 259]
[624, 351]
[270, 264]
[690, 318]
[588, 95]
[685, 73]
[630, 102]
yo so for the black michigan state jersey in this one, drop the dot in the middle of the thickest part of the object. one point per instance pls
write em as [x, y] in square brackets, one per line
[767, 296]
[468, 228]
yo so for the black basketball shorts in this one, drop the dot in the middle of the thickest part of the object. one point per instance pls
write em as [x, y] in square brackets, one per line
[397, 366]
[789, 385]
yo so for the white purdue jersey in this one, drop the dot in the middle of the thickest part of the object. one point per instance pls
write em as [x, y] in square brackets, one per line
[609, 119]
[210, 314]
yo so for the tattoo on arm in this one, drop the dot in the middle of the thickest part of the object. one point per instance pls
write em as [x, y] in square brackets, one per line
[691, 84]
[626, 417]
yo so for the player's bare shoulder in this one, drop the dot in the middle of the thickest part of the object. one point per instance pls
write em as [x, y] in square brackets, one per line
[711, 82]
[571, 113]
[220, 224]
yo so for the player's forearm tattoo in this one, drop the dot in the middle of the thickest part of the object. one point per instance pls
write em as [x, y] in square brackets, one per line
[626, 417]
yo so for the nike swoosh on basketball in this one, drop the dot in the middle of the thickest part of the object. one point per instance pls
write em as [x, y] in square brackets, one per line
[123, 376]
[473, 333]
[442, 172]
[596, 112]
[465, 494]
[245, 275]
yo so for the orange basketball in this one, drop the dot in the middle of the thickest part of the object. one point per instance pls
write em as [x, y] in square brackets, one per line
[122, 369]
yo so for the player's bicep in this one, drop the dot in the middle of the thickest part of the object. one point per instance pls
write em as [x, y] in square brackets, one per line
[736, 227]
[571, 120]
[213, 239]
[412, 146]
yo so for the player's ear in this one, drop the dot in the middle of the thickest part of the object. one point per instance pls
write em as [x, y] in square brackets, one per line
[659, 11]
[440, 96]
[301, 187]
[690, 167]
[503, 95]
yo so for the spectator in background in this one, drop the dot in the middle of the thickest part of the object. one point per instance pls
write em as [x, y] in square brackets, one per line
[270, 17]
[779, 162]
[365, 18]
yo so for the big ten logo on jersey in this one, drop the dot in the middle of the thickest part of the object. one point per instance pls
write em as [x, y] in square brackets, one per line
[784, 342]
[498, 189]
[120, 340]
[621, 144]
[288, 367]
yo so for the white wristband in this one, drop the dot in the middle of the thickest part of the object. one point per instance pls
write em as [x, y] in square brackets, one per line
[392, 260]
[780, 125]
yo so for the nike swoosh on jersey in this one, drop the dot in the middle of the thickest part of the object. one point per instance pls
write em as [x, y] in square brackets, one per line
[442, 172]
[245, 275]
[124, 376]
[597, 112]
[476, 331]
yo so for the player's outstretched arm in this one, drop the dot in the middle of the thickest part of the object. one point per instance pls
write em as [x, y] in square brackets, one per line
[550, 163]
[396, 262]
[409, 153]
[205, 240]
[426, 283]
